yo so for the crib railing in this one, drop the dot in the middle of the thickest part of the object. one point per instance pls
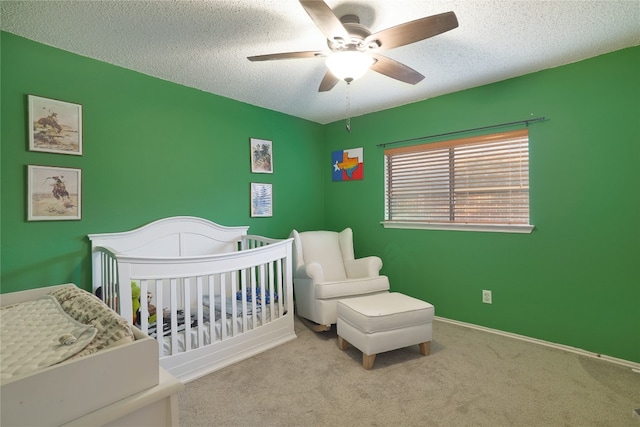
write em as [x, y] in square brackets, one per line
[202, 299]
[253, 241]
[107, 274]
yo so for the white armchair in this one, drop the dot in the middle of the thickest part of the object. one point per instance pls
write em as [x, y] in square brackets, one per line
[325, 271]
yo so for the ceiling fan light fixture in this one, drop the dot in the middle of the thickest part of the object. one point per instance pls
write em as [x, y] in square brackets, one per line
[349, 65]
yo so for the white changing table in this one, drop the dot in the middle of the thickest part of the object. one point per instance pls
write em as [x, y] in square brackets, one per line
[157, 407]
[89, 391]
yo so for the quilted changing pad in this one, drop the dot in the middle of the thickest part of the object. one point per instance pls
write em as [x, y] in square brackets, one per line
[37, 334]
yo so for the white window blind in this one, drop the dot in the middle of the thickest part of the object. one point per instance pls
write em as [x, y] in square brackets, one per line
[476, 180]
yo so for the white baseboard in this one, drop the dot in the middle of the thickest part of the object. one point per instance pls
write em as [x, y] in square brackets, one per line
[635, 367]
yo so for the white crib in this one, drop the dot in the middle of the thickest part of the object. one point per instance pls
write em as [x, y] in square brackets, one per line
[221, 295]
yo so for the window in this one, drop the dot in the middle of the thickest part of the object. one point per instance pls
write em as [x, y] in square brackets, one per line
[477, 183]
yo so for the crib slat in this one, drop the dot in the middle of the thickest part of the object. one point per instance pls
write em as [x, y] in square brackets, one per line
[200, 310]
[279, 277]
[243, 288]
[160, 316]
[186, 304]
[174, 315]
[263, 286]
[106, 280]
[212, 312]
[272, 294]
[253, 291]
[108, 287]
[223, 304]
[144, 307]
[113, 283]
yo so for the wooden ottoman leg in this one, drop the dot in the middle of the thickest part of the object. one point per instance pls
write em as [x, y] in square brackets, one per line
[342, 343]
[368, 360]
[425, 348]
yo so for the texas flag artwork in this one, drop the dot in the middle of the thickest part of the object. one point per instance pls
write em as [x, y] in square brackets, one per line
[348, 165]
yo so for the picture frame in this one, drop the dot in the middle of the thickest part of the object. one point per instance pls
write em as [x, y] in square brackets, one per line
[347, 164]
[55, 126]
[261, 155]
[53, 193]
[261, 199]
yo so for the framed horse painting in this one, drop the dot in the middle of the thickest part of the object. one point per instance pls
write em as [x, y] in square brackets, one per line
[55, 126]
[54, 193]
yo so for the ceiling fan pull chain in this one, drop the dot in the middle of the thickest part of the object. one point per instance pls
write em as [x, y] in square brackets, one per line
[348, 107]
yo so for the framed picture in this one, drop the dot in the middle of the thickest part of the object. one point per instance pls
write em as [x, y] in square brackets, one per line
[261, 200]
[53, 193]
[55, 126]
[347, 165]
[261, 156]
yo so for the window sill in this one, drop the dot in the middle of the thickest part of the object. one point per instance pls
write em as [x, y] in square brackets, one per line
[491, 228]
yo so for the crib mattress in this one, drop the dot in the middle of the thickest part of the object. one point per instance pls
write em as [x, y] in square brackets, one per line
[205, 330]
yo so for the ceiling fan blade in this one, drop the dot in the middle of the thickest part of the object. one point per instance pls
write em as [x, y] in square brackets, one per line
[414, 31]
[328, 82]
[325, 19]
[396, 70]
[287, 55]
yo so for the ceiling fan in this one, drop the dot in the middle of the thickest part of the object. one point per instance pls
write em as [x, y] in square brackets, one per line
[348, 40]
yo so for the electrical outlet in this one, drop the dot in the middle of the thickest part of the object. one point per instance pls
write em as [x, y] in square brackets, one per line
[486, 297]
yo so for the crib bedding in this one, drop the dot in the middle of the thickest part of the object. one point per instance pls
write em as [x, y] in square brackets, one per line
[38, 334]
[261, 319]
[241, 306]
[181, 321]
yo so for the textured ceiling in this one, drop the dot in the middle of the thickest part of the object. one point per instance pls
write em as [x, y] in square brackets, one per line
[204, 44]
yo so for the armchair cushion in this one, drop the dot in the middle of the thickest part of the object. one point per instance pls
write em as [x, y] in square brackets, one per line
[355, 287]
[323, 247]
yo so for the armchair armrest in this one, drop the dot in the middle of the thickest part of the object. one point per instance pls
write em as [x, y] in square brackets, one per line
[311, 271]
[363, 267]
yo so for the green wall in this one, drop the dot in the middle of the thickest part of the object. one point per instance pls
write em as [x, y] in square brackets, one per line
[576, 279]
[155, 149]
[151, 149]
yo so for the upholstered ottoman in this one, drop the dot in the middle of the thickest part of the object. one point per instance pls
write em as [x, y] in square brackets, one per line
[383, 322]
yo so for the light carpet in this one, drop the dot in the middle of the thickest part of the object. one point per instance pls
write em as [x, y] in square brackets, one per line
[471, 378]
